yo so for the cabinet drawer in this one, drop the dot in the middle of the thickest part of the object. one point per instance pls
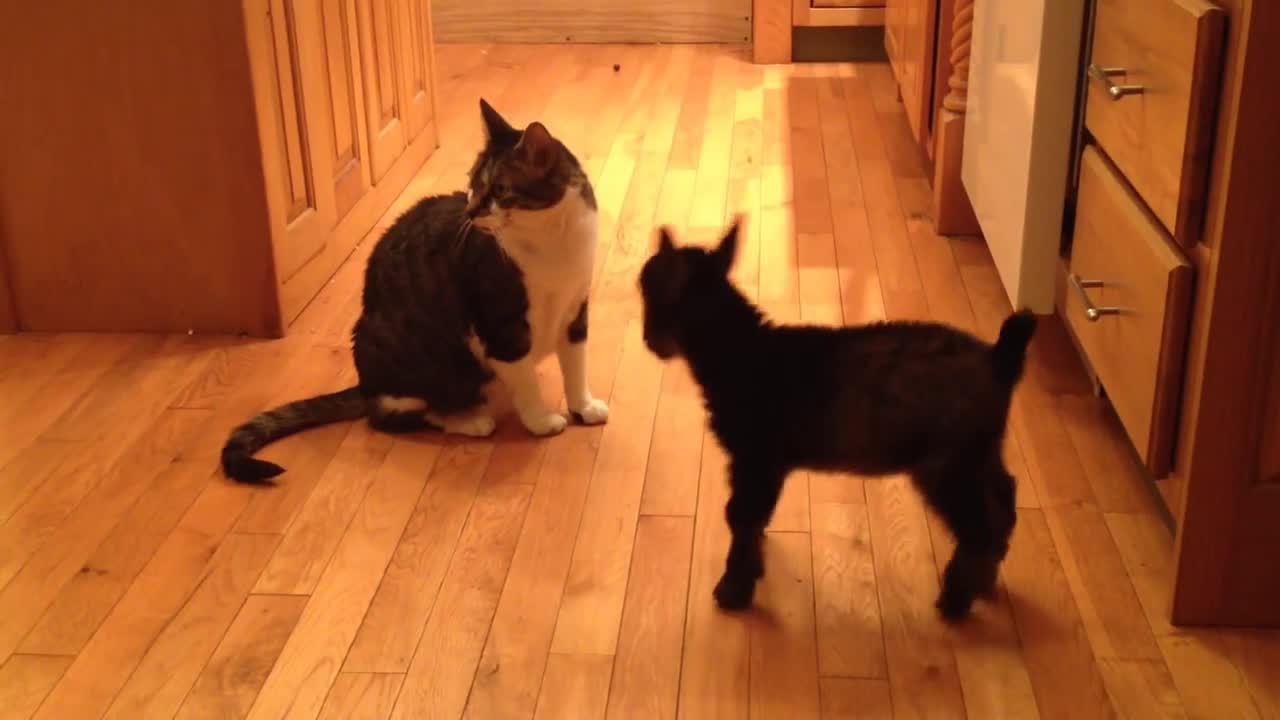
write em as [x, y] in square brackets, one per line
[1124, 268]
[1159, 136]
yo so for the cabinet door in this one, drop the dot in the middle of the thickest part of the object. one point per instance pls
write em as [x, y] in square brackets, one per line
[300, 224]
[909, 41]
[381, 66]
[417, 71]
[341, 91]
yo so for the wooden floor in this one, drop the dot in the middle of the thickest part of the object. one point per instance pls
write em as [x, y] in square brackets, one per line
[418, 577]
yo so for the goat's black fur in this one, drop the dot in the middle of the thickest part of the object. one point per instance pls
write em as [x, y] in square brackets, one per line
[910, 397]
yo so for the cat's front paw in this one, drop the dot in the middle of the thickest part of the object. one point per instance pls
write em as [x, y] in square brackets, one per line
[593, 412]
[544, 425]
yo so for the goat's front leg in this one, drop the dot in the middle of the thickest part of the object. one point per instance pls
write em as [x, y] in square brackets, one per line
[754, 495]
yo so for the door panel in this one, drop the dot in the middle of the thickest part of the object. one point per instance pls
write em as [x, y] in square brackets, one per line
[289, 161]
[340, 53]
[416, 71]
[380, 65]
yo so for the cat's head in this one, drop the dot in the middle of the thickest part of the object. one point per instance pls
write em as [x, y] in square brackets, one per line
[520, 174]
[676, 278]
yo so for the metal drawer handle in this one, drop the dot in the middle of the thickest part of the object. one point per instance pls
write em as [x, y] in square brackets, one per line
[1091, 311]
[1104, 75]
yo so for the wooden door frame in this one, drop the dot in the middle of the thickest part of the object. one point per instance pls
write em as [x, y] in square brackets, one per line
[1227, 570]
[8, 310]
[773, 20]
[771, 32]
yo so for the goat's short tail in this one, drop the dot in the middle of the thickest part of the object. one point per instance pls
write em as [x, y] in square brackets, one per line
[265, 428]
[1009, 353]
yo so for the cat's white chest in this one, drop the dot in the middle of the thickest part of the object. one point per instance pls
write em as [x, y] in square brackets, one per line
[556, 264]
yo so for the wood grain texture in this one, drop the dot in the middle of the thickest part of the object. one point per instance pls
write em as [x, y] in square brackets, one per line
[362, 696]
[922, 665]
[63, 274]
[195, 556]
[848, 614]
[296, 566]
[1138, 352]
[575, 685]
[440, 676]
[283, 186]
[173, 662]
[405, 598]
[1162, 141]
[784, 657]
[25, 680]
[610, 21]
[646, 670]
[1226, 509]
[856, 699]
[911, 44]
[231, 680]
[311, 658]
[771, 31]
[715, 669]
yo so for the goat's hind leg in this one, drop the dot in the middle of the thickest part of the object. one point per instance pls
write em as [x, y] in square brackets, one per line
[978, 507]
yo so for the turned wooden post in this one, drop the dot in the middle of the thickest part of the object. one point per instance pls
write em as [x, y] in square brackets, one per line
[952, 211]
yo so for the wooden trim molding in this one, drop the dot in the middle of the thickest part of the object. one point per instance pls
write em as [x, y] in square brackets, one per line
[771, 32]
[803, 14]
[952, 211]
[8, 311]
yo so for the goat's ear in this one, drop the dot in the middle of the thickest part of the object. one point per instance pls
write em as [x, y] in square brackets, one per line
[666, 243]
[728, 248]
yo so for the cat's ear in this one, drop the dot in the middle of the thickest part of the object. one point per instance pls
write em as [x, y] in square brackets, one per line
[724, 253]
[494, 124]
[537, 147]
[666, 243]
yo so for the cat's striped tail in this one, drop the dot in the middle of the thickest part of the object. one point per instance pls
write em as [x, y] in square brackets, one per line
[265, 428]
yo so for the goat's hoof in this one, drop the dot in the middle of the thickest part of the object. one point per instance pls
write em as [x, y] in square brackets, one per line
[734, 594]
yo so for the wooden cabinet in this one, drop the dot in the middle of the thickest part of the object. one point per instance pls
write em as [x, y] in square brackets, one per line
[837, 13]
[1153, 84]
[201, 166]
[1126, 302]
[1176, 218]
[912, 45]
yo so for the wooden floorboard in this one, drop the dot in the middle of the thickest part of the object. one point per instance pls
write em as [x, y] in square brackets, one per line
[425, 577]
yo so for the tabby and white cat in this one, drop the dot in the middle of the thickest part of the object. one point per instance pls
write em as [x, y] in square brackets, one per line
[464, 288]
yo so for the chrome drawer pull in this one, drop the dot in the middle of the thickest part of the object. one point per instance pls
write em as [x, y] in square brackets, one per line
[1104, 75]
[1090, 310]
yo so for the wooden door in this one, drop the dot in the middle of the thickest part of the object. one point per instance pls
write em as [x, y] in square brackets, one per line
[340, 107]
[910, 43]
[381, 43]
[1228, 567]
[301, 222]
[416, 66]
